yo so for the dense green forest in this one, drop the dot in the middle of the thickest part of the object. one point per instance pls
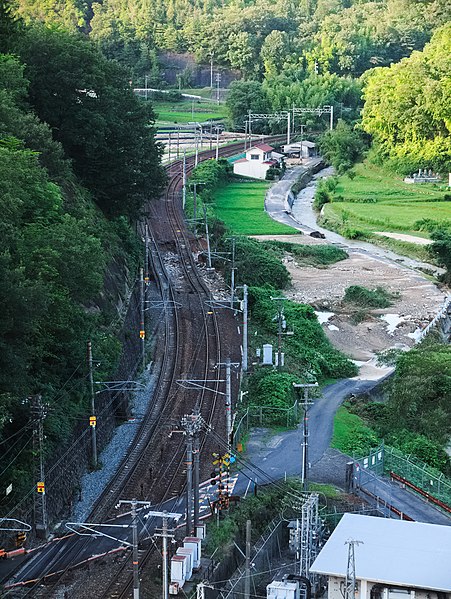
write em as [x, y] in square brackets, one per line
[78, 156]
[260, 37]
[77, 161]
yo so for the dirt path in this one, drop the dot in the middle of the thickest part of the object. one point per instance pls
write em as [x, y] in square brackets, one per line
[404, 237]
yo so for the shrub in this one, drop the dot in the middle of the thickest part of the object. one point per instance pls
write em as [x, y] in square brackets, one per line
[368, 298]
[353, 233]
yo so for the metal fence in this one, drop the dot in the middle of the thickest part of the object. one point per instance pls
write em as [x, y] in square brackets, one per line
[265, 416]
[266, 550]
[428, 479]
[389, 459]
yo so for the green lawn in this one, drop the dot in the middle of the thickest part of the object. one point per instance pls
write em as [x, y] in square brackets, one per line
[182, 112]
[395, 205]
[241, 206]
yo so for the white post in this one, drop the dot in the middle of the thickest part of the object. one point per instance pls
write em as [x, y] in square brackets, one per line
[331, 117]
[184, 180]
[217, 143]
[288, 127]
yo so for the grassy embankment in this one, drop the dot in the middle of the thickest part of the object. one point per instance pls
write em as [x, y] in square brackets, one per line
[240, 205]
[377, 200]
[187, 111]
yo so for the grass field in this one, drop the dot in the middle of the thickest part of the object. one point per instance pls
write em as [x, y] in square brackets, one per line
[241, 206]
[187, 111]
[351, 435]
[394, 205]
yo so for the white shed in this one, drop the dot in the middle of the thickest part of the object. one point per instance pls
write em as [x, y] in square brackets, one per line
[256, 162]
[394, 558]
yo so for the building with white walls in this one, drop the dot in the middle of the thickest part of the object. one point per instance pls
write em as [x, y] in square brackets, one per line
[257, 161]
[395, 559]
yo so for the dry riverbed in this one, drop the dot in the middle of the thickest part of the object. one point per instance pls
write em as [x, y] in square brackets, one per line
[393, 327]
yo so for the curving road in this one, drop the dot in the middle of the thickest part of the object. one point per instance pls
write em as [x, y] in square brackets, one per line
[280, 455]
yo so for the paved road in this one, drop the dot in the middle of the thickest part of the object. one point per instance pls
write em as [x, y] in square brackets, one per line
[281, 454]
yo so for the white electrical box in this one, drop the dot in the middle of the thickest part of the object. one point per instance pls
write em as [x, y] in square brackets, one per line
[281, 589]
[189, 552]
[195, 543]
[267, 354]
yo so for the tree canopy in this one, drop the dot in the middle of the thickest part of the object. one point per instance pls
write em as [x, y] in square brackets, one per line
[408, 107]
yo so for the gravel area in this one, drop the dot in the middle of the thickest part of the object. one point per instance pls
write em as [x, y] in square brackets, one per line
[93, 483]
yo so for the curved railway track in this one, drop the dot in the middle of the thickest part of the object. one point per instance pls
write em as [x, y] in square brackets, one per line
[179, 359]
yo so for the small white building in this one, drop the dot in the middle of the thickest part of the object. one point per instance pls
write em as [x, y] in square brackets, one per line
[396, 559]
[256, 163]
[304, 149]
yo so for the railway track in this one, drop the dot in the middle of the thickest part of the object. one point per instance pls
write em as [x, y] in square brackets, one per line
[180, 358]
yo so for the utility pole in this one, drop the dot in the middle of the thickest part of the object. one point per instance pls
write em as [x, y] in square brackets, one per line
[134, 513]
[247, 581]
[184, 179]
[228, 400]
[92, 419]
[245, 135]
[207, 235]
[191, 425]
[135, 551]
[169, 147]
[164, 534]
[146, 255]
[281, 326]
[196, 141]
[217, 143]
[195, 207]
[302, 139]
[178, 142]
[232, 274]
[350, 582]
[305, 433]
[218, 81]
[142, 330]
[288, 127]
[39, 412]
[331, 117]
[211, 71]
[245, 342]
[145, 80]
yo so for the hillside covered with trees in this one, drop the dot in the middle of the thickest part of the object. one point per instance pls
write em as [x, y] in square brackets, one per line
[78, 156]
[77, 161]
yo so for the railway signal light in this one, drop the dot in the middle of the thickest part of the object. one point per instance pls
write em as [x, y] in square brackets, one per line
[92, 421]
[40, 487]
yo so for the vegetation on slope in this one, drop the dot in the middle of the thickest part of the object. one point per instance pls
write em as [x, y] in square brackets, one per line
[67, 117]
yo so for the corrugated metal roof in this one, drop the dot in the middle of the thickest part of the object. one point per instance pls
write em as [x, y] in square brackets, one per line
[397, 552]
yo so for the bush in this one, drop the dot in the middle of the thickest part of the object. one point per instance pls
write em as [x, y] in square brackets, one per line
[322, 196]
[353, 233]
[255, 265]
[368, 298]
[421, 447]
[308, 350]
[310, 254]
[272, 173]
